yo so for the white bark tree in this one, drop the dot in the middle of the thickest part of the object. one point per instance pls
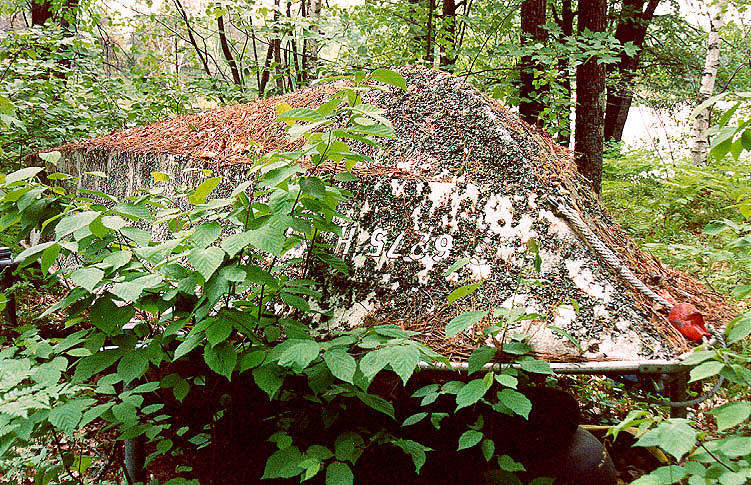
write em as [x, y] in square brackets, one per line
[700, 144]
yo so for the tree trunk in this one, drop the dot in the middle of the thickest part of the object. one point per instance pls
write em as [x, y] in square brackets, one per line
[429, 46]
[566, 24]
[632, 27]
[227, 52]
[700, 144]
[448, 43]
[590, 88]
[310, 46]
[41, 12]
[266, 69]
[533, 32]
[192, 38]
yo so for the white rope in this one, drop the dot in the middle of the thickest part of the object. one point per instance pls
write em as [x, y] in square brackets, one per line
[606, 253]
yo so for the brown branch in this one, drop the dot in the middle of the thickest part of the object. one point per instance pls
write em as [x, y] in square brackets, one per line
[192, 38]
[226, 51]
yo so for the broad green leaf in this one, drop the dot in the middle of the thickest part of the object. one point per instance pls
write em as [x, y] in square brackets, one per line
[741, 328]
[206, 261]
[415, 450]
[403, 360]
[66, 416]
[284, 463]
[736, 446]
[252, 359]
[221, 358]
[480, 357]
[506, 380]
[341, 364]
[295, 301]
[51, 157]
[426, 390]
[301, 353]
[132, 365]
[463, 291]
[374, 361]
[190, 343]
[159, 253]
[300, 114]
[469, 438]
[269, 378]
[88, 366]
[472, 392]
[117, 259]
[87, 277]
[707, 369]
[34, 251]
[109, 317]
[515, 401]
[71, 223]
[338, 473]
[345, 177]
[132, 290]
[414, 419]
[319, 452]
[699, 356]
[22, 174]
[535, 366]
[377, 402]
[715, 227]
[270, 236]
[463, 321]
[313, 186]
[205, 234]
[134, 212]
[389, 77]
[731, 414]
[180, 387]
[348, 447]
[218, 330]
[199, 195]
[235, 243]
[508, 464]
[49, 257]
[488, 449]
[674, 436]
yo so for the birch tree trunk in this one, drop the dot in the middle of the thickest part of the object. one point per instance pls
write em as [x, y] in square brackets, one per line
[700, 144]
[310, 45]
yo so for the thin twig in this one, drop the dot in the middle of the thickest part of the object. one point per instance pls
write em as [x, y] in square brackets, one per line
[108, 463]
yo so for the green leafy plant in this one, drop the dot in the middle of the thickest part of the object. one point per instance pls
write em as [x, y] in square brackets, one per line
[220, 286]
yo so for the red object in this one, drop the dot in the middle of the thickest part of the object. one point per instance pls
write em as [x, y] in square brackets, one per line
[687, 319]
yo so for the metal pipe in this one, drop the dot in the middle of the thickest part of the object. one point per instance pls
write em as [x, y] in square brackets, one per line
[622, 367]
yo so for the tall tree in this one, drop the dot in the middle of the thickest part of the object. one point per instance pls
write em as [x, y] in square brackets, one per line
[532, 32]
[430, 35]
[633, 22]
[448, 44]
[700, 142]
[590, 103]
[310, 59]
[227, 52]
[565, 22]
[41, 11]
